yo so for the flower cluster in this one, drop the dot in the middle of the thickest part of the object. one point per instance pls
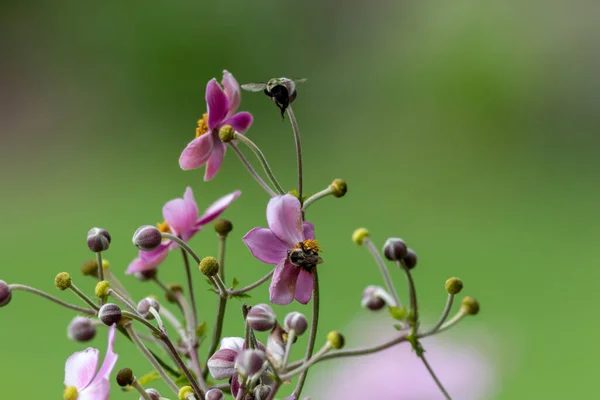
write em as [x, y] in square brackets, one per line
[249, 369]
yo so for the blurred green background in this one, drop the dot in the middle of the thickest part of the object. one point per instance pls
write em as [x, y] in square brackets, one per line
[469, 129]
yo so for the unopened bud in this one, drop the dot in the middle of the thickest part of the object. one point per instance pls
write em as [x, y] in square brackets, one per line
[470, 305]
[335, 339]
[90, 268]
[454, 285]
[62, 281]
[214, 394]
[226, 133]
[394, 249]
[81, 329]
[223, 226]
[153, 394]
[410, 259]
[261, 318]
[102, 289]
[209, 266]
[98, 240]
[249, 362]
[295, 321]
[376, 298]
[184, 392]
[125, 377]
[5, 293]
[144, 305]
[338, 187]
[261, 392]
[110, 314]
[172, 292]
[146, 275]
[147, 238]
[359, 235]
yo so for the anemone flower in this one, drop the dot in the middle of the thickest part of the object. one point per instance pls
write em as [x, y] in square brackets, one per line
[272, 245]
[207, 148]
[81, 380]
[181, 219]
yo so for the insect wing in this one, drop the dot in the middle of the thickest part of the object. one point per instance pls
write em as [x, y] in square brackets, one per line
[299, 80]
[254, 87]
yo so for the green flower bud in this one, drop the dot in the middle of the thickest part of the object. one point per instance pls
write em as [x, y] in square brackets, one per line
[125, 377]
[209, 266]
[62, 281]
[226, 133]
[102, 289]
[470, 306]
[359, 235]
[184, 391]
[335, 339]
[173, 289]
[338, 187]
[223, 227]
[454, 286]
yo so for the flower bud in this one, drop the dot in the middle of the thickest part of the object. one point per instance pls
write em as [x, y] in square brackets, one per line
[209, 266]
[226, 133]
[173, 290]
[110, 314]
[470, 306]
[81, 329]
[261, 318]
[102, 289]
[261, 392]
[335, 339]
[295, 321]
[223, 226]
[125, 377]
[146, 275]
[144, 305]
[214, 394]
[98, 240]
[375, 298]
[338, 187]
[90, 268]
[249, 362]
[184, 392]
[153, 394]
[147, 238]
[454, 286]
[410, 259]
[359, 235]
[5, 293]
[62, 281]
[394, 249]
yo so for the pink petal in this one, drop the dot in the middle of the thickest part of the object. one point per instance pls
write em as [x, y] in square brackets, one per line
[217, 208]
[136, 265]
[232, 91]
[284, 217]
[240, 122]
[181, 214]
[235, 384]
[221, 364]
[283, 284]
[98, 390]
[217, 104]
[309, 230]
[215, 160]
[186, 236]
[304, 286]
[265, 246]
[110, 359]
[197, 152]
[80, 368]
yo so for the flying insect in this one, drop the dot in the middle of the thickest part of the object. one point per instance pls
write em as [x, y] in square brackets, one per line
[304, 258]
[281, 90]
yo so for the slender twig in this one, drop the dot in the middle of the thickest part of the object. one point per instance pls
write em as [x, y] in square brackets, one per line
[444, 315]
[83, 296]
[262, 159]
[313, 333]
[29, 289]
[319, 195]
[383, 269]
[251, 286]
[251, 169]
[219, 284]
[435, 378]
[112, 292]
[292, 117]
[174, 322]
[453, 321]
[412, 292]
[183, 244]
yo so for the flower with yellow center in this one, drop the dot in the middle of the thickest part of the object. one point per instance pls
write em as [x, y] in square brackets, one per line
[202, 125]
[308, 245]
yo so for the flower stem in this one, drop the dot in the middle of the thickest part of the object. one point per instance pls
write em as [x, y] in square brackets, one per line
[262, 159]
[412, 292]
[199, 392]
[118, 285]
[193, 315]
[100, 268]
[251, 169]
[112, 292]
[307, 364]
[83, 296]
[444, 315]
[384, 271]
[435, 378]
[453, 321]
[136, 385]
[29, 289]
[251, 286]
[319, 195]
[288, 348]
[292, 118]
[183, 245]
[174, 322]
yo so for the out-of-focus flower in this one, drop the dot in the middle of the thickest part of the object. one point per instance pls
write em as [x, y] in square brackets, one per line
[271, 245]
[81, 380]
[207, 148]
[180, 219]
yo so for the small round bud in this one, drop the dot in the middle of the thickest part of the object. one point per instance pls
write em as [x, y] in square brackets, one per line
[295, 321]
[261, 318]
[335, 339]
[110, 314]
[125, 377]
[144, 305]
[261, 392]
[359, 235]
[5, 293]
[184, 391]
[394, 249]
[153, 394]
[226, 133]
[214, 394]
[147, 275]
[81, 329]
[249, 362]
[102, 289]
[338, 187]
[470, 305]
[173, 290]
[454, 286]
[223, 226]
[62, 281]
[90, 268]
[70, 393]
[374, 298]
[209, 266]
[98, 240]
[410, 259]
[147, 238]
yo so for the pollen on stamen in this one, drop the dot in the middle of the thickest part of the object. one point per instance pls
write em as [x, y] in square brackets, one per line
[309, 245]
[163, 227]
[202, 125]
[70, 393]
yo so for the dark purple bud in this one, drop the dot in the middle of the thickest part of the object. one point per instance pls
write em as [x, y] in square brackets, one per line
[98, 240]
[147, 238]
[410, 259]
[394, 249]
[147, 275]
[5, 293]
[125, 377]
[81, 329]
[144, 305]
[261, 392]
[214, 394]
[295, 321]
[153, 394]
[375, 298]
[261, 318]
[110, 314]
[249, 362]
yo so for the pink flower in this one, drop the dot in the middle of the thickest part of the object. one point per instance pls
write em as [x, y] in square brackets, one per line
[81, 380]
[286, 232]
[181, 219]
[207, 148]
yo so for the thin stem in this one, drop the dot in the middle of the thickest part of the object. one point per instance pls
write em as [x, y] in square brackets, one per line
[100, 268]
[156, 316]
[453, 321]
[29, 289]
[261, 158]
[319, 195]
[188, 273]
[199, 392]
[313, 333]
[274, 390]
[445, 313]
[383, 269]
[251, 169]
[219, 284]
[183, 245]
[187, 311]
[412, 292]
[435, 378]
[136, 385]
[118, 285]
[112, 292]
[83, 296]
[251, 286]
[174, 322]
[288, 348]
[306, 365]
[139, 318]
[195, 362]
[292, 117]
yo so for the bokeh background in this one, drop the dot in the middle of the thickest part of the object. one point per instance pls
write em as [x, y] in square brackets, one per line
[468, 128]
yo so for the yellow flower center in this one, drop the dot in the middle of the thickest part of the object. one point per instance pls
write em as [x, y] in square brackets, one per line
[309, 245]
[202, 125]
[70, 393]
[163, 227]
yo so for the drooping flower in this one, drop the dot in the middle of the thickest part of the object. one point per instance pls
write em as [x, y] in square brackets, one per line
[272, 245]
[81, 379]
[180, 219]
[207, 148]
